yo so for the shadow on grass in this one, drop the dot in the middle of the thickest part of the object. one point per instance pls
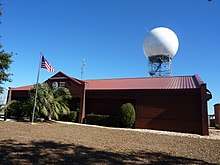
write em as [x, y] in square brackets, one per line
[49, 152]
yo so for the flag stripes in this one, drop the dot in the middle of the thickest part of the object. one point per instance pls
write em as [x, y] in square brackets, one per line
[45, 64]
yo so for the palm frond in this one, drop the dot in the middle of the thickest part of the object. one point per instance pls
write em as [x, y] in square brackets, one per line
[51, 101]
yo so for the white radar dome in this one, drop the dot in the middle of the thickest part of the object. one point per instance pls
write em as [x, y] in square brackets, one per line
[160, 41]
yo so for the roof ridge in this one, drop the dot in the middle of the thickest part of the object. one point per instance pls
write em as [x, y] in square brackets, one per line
[136, 78]
[115, 78]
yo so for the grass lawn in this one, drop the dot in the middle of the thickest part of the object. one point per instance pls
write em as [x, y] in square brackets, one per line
[55, 143]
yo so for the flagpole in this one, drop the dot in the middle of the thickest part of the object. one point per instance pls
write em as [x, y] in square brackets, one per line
[35, 98]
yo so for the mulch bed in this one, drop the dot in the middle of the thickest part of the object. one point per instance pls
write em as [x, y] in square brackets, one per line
[55, 143]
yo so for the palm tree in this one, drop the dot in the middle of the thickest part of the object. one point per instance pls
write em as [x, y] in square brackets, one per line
[52, 102]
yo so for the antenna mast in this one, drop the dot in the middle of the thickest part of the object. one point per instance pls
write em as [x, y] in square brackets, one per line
[83, 67]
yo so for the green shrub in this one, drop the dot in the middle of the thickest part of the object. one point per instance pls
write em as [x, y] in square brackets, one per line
[96, 119]
[70, 117]
[14, 109]
[114, 121]
[102, 120]
[127, 115]
[27, 108]
[73, 115]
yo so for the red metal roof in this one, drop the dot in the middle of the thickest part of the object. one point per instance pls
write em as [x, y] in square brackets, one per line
[79, 82]
[173, 82]
[22, 88]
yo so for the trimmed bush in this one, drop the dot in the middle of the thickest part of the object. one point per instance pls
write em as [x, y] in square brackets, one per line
[96, 119]
[73, 115]
[102, 120]
[70, 117]
[114, 121]
[127, 115]
[14, 109]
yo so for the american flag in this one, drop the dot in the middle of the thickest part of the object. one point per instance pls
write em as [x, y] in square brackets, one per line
[46, 65]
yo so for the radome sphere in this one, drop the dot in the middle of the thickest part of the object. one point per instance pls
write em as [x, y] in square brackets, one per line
[160, 41]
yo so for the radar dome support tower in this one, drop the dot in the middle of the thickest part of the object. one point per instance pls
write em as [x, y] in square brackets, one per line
[160, 45]
[159, 66]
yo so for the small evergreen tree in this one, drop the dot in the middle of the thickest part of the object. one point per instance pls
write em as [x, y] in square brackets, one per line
[5, 61]
[127, 115]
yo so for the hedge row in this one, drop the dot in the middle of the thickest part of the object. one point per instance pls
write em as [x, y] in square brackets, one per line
[71, 117]
[125, 118]
[102, 120]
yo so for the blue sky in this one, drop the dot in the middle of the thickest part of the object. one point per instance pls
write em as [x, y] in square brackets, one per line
[109, 35]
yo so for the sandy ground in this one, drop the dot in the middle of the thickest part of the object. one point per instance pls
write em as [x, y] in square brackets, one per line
[62, 143]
